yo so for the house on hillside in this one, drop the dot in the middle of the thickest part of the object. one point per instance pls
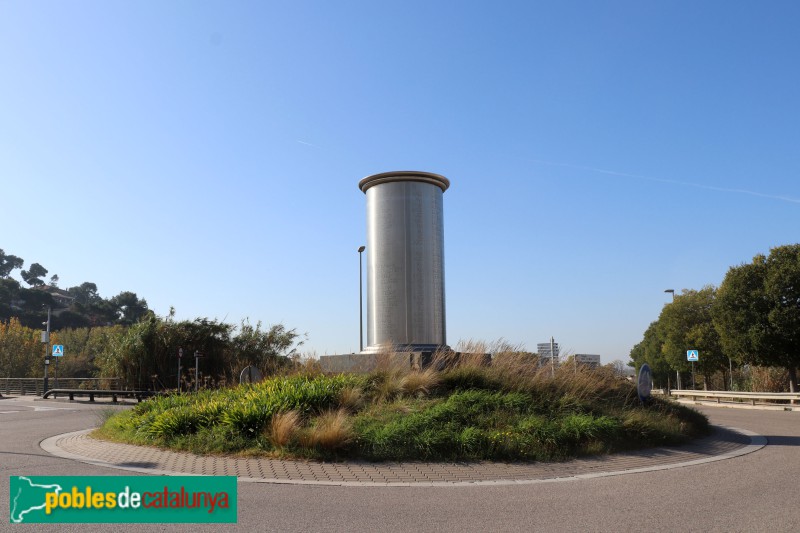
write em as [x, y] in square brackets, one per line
[61, 297]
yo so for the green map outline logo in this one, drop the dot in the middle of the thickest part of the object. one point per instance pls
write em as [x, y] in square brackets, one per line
[122, 499]
[15, 514]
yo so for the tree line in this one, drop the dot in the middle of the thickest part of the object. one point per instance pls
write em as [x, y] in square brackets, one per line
[144, 356]
[75, 307]
[752, 318]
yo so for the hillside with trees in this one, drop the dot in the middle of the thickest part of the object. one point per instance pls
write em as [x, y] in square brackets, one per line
[74, 307]
[121, 337]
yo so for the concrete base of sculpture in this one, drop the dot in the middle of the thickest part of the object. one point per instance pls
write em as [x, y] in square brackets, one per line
[363, 363]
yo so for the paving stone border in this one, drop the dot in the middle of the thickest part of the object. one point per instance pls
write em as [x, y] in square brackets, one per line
[724, 443]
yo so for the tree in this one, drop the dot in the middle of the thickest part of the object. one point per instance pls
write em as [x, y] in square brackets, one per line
[34, 275]
[757, 312]
[8, 263]
[85, 293]
[687, 324]
[130, 308]
[268, 350]
[651, 351]
[9, 295]
[54, 280]
[21, 350]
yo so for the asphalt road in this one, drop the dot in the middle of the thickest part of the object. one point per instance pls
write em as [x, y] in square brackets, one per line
[756, 492]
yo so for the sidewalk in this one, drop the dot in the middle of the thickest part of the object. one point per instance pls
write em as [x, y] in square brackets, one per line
[725, 443]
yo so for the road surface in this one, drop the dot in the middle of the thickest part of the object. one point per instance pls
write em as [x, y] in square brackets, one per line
[755, 492]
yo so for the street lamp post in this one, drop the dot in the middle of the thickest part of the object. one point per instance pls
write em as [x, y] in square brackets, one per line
[46, 342]
[673, 293]
[360, 303]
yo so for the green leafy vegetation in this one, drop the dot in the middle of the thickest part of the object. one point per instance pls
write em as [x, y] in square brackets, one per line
[143, 356]
[749, 324]
[509, 410]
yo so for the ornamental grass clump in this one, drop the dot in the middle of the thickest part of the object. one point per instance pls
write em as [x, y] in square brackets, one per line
[330, 431]
[420, 383]
[283, 428]
[351, 399]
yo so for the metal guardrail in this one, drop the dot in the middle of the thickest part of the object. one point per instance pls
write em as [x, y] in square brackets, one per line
[138, 394]
[24, 386]
[732, 395]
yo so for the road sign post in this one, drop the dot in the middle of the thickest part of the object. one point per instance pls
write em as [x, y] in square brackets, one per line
[58, 353]
[180, 356]
[197, 356]
[693, 355]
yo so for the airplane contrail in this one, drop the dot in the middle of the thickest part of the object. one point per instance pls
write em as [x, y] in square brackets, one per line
[674, 182]
[307, 144]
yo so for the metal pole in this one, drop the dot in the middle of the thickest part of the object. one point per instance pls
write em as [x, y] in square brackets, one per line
[360, 303]
[180, 356]
[46, 365]
[694, 387]
[552, 359]
[47, 354]
[196, 369]
[730, 364]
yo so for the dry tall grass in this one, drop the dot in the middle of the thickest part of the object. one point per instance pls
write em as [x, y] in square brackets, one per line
[329, 431]
[515, 369]
[283, 428]
[351, 399]
[420, 382]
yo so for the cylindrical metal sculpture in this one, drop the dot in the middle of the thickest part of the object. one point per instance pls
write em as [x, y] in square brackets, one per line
[405, 261]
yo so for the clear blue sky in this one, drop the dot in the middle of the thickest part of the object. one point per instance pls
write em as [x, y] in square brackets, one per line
[206, 155]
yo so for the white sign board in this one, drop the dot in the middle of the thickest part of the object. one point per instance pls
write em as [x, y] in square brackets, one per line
[692, 355]
[588, 359]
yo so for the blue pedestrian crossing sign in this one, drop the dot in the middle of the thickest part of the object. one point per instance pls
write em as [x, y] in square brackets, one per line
[692, 355]
[58, 350]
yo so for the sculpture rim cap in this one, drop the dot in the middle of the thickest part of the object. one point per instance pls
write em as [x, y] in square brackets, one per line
[404, 175]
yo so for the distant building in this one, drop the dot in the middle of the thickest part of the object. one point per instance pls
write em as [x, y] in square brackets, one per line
[60, 297]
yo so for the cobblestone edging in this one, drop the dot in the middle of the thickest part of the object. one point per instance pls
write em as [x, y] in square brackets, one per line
[724, 443]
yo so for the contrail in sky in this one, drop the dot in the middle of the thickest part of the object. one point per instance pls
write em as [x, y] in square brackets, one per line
[308, 144]
[674, 182]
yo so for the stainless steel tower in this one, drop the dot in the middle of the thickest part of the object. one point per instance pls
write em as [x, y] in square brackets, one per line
[405, 260]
